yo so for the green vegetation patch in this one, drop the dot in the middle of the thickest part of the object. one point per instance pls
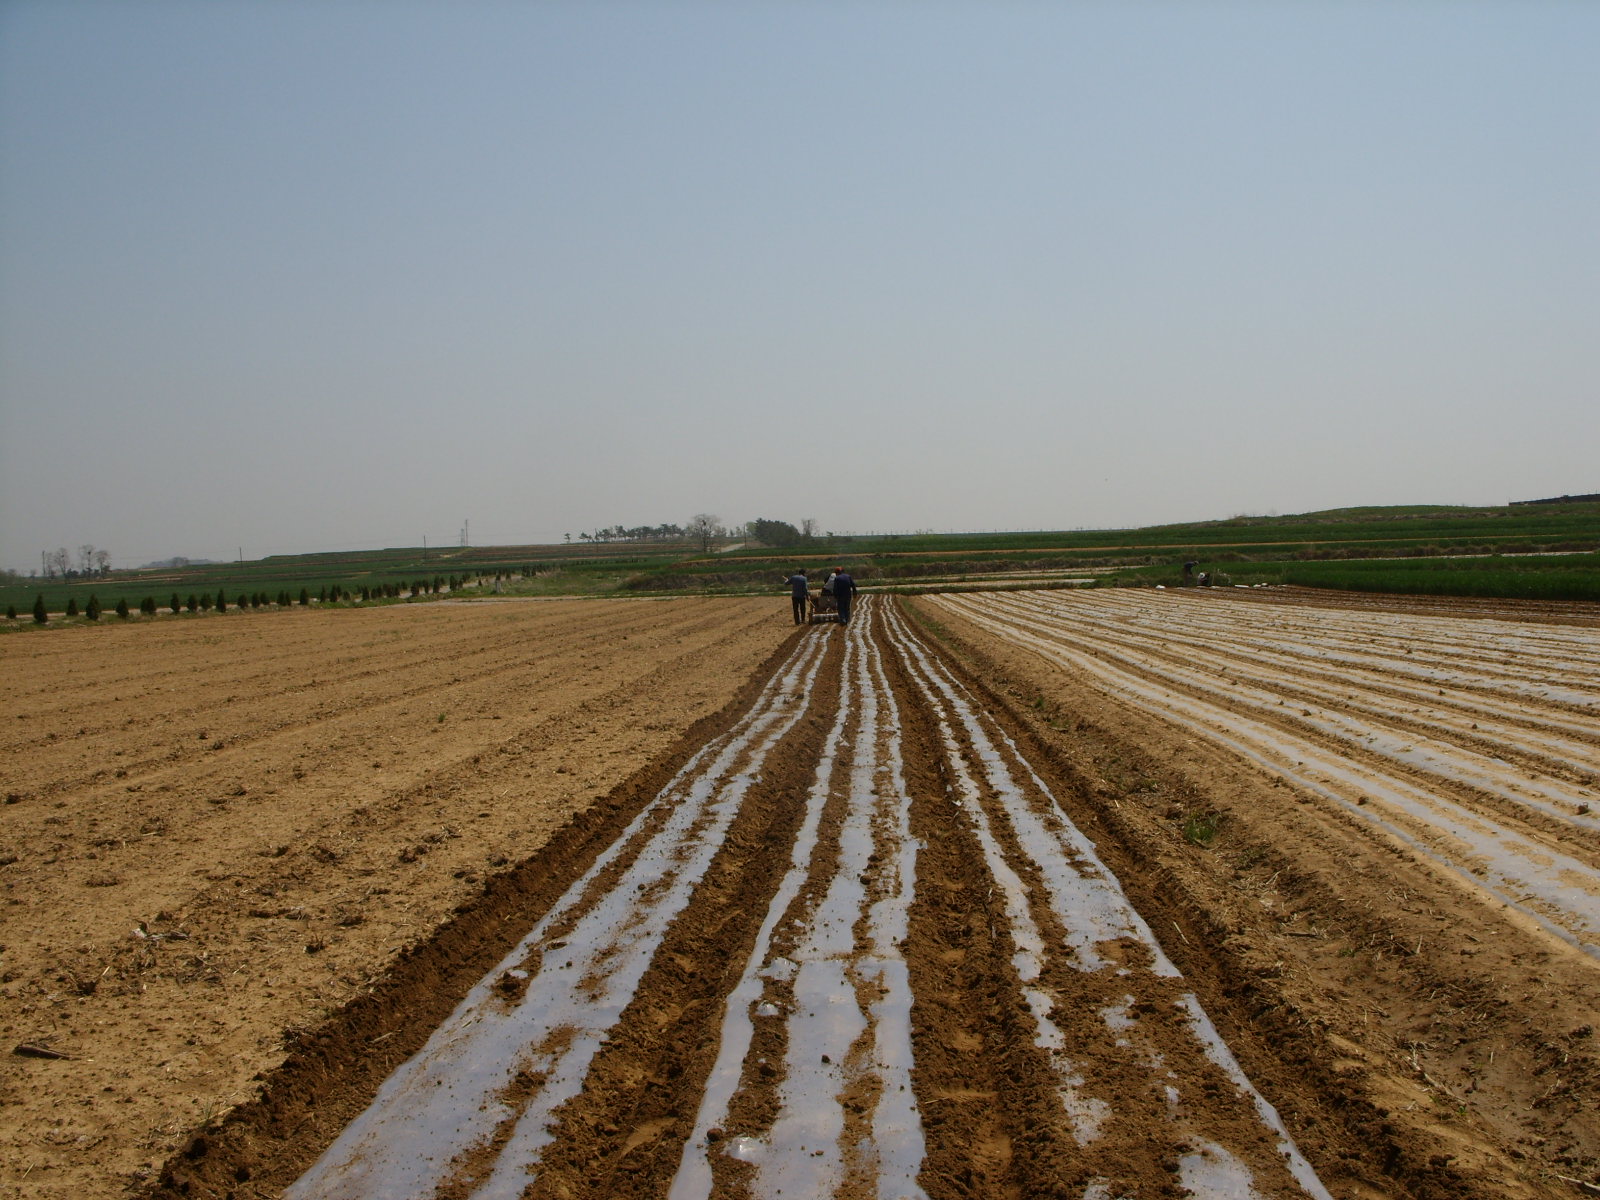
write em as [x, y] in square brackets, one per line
[1529, 551]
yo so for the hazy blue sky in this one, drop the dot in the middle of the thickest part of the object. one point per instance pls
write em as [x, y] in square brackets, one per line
[292, 276]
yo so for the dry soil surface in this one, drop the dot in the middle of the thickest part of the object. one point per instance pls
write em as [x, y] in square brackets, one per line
[218, 831]
[1095, 895]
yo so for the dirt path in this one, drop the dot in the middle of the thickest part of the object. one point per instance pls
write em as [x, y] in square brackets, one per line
[1039, 910]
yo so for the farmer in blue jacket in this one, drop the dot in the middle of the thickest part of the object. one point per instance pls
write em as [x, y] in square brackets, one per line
[798, 595]
[844, 591]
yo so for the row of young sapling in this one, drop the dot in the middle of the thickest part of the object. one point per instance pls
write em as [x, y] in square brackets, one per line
[207, 602]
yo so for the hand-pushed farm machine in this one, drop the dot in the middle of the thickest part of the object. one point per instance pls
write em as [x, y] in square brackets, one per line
[822, 607]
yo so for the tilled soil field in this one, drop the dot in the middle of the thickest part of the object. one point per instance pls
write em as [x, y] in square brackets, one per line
[1094, 895]
[219, 832]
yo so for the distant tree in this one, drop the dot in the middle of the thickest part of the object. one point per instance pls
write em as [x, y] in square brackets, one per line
[93, 609]
[85, 559]
[175, 604]
[705, 528]
[102, 561]
[774, 533]
[305, 598]
[148, 606]
[808, 528]
[40, 616]
[243, 602]
[122, 607]
[222, 601]
[194, 603]
[72, 606]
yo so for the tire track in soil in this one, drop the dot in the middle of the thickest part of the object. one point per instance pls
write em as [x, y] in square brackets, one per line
[849, 951]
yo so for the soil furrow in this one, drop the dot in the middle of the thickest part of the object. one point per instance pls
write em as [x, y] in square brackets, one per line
[498, 1071]
[979, 896]
[1412, 1011]
[1423, 808]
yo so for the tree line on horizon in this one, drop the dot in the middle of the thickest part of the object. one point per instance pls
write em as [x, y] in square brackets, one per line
[93, 562]
[204, 602]
[708, 529]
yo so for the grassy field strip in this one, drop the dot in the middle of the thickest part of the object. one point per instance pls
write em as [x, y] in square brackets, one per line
[1510, 863]
[842, 990]
[1008, 804]
[452, 1095]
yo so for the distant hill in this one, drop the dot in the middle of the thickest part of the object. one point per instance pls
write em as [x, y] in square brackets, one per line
[1562, 499]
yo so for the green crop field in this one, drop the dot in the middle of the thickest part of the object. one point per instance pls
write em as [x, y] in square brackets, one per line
[1535, 551]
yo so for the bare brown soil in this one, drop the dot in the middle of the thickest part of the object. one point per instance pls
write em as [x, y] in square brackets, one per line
[254, 862]
[218, 832]
[1463, 1035]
